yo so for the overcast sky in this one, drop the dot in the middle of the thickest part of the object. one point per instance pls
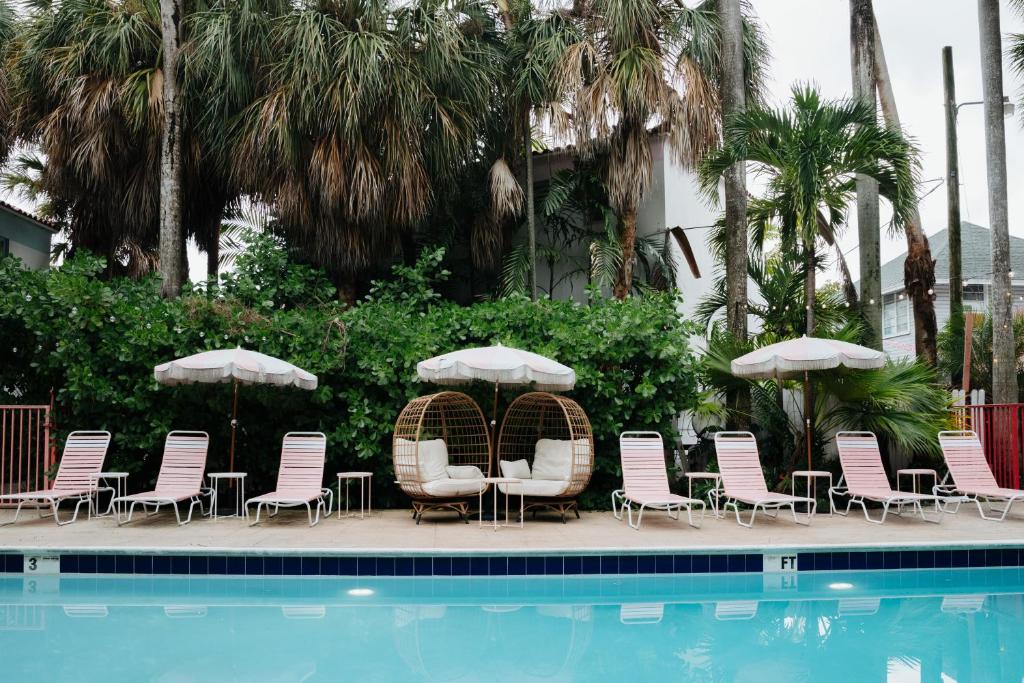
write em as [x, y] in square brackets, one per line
[810, 41]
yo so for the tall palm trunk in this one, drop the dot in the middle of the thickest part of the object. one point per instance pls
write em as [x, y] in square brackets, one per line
[627, 241]
[862, 58]
[171, 234]
[733, 98]
[1004, 361]
[733, 102]
[919, 267]
[531, 219]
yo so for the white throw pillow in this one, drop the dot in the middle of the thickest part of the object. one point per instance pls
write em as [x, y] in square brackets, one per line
[464, 472]
[433, 460]
[520, 469]
[553, 459]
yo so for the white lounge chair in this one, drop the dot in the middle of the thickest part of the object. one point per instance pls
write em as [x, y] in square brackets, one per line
[300, 477]
[972, 477]
[743, 480]
[84, 453]
[180, 478]
[864, 479]
[645, 481]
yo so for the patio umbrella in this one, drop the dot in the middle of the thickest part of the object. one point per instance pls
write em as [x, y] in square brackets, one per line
[795, 357]
[238, 366]
[500, 365]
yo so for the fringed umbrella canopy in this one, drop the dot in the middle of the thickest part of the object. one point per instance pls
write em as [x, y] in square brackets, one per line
[806, 354]
[226, 365]
[239, 366]
[497, 364]
[800, 357]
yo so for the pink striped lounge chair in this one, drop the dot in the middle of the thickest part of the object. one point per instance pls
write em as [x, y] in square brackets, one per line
[972, 477]
[84, 453]
[743, 480]
[180, 478]
[645, 481]
[300, 477]
[864, 479]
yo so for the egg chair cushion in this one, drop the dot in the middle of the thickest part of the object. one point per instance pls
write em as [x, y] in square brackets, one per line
[433, 460]
[553, 460]
[518, 469]
[540, 488]
[442, 488]
[464, 472]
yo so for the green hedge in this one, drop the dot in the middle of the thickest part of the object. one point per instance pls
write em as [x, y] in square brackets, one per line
[95, 343]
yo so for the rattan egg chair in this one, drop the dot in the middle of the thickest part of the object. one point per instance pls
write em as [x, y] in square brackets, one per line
[540, 415]
[455, 419]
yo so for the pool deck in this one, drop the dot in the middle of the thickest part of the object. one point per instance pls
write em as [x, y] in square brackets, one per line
[394, 532]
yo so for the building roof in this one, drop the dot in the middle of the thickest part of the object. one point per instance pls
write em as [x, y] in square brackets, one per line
[975, 257]
[11, 208]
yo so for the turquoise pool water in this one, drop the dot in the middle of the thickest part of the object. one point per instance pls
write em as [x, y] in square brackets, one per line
[928, 625]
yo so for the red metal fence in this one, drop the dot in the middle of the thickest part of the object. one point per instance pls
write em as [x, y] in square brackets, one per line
[999, 429]
[26, 450]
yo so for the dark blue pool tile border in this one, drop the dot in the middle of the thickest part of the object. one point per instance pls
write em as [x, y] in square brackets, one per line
[528, 565]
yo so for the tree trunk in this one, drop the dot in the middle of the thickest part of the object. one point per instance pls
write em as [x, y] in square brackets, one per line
[862, 58]
[171, 230]
[531, 219]
[956, 282]
[809, 288]
[919, 268]
[733, 97]
[1004, 361]
[627, 241]
[213, 260]
[733, 102]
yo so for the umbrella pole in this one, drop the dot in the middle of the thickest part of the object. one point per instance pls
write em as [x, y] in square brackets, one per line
[234, 425]
[494, 422]
[808, 409]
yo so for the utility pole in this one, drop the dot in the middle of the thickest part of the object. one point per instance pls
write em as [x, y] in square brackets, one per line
[862, 63]
[1004, 356]
[956, 285]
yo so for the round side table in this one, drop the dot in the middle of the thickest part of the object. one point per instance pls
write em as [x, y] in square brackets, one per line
[365, 492]
[508, 494]
[119, 489]
[240, 508]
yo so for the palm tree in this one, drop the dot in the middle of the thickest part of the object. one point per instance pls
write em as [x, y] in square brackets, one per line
[172, 239]
[364, 109]
[1004, 379]
[90, 95]
[639, 63]
[810, 156]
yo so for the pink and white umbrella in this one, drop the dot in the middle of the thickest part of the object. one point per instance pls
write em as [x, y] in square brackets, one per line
[795, 357]
[239, 366]
[497, 364]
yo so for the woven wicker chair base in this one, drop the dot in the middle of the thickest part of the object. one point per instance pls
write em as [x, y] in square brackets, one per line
[561, 506]
[457, 505]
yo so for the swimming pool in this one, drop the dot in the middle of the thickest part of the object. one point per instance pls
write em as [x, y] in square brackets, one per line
[928, 625]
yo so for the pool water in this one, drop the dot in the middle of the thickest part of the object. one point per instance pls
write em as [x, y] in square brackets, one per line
[927, 625]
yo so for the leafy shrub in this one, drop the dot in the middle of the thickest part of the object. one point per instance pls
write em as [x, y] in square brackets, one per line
[95, 342]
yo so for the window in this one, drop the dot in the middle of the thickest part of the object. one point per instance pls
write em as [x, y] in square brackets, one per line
[895, 315]
[974, 298]
[5, 246]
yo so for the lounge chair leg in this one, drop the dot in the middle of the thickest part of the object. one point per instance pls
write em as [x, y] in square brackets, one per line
[885, 511]
[639, 517]
[616, 509]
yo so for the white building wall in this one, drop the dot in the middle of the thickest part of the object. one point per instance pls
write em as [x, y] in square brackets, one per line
[32, 258]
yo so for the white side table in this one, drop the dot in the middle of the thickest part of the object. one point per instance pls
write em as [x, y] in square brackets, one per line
[365, 492]
[713, 495]
[240, 508]
[811, 478]
[508, 494]
[915, 475]
[119, 489]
